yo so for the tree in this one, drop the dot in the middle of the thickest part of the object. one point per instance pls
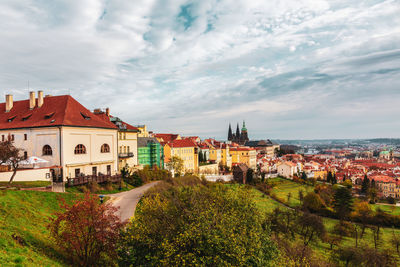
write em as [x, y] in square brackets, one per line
[372, 193]
[343, 202]
[363, 213]
[301, 195]
[334, 180]
[348, 255]
[201, 156]
[332, 240]
[329, 177]
[395, 240]
[365, 184]
[249, 175]
[197, 226]
[10, 155]
[313, 202]
[289, 196]
[304, 176]
[87, 231]
[176, 164]
[310, 227]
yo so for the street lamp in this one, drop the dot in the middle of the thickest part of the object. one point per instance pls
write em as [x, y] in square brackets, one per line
[101, 199]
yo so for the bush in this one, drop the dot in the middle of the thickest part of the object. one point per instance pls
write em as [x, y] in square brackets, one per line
[313, 202]
[199, 225]
[391, 200]
[87, 231]
[343, 228]
[93, 187]
[134, 180]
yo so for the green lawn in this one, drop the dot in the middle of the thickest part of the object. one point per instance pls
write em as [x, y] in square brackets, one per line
[25, 214]
[267, 204]
[27, 184]
[391, 209]
[284, 186]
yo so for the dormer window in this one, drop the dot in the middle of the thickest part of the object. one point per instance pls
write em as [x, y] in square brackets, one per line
[11, 118]
[26, 117]
[49, 115]
[85, 116]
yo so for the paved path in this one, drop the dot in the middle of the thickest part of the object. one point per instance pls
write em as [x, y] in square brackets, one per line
[128, 200]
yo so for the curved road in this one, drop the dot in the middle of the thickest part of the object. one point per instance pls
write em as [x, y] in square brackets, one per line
[127, 201]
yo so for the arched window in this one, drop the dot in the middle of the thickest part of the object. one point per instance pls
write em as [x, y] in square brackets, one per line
[47, 151]
[80, 149]
[105, 148]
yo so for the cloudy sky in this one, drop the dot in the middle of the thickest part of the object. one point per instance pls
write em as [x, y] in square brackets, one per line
[293, 69]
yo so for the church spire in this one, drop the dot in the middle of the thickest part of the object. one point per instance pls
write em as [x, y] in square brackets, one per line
[237, 132]
[244, 126]
[230, 136]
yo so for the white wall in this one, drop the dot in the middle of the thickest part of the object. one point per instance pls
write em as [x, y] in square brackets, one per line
[92, 139]
[37, 138]
[27, 175]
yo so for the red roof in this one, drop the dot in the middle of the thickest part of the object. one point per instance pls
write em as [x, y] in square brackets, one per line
[61, 110]
[166, 137]
[183, 143]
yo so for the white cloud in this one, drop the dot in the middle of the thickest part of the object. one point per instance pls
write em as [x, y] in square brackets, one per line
[139, 58]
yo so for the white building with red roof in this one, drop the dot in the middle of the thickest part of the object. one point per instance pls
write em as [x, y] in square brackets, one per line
[60, 130]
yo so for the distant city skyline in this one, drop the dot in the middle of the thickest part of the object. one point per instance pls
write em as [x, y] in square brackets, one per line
[292, 69]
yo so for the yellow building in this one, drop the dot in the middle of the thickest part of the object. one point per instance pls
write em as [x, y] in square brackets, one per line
[244, 155]
[127, 139]
[142, 131]
[215, 154]
[185, 149]
[226, 158]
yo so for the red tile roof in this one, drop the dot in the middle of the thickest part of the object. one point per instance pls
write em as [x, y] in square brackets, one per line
[166, 137]
[61, 110]
[183, 143]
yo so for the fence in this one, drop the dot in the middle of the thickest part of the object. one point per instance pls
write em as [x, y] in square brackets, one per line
[93, 178]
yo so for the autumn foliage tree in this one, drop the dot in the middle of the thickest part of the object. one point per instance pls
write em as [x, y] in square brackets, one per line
[10, 155]
[87, 231]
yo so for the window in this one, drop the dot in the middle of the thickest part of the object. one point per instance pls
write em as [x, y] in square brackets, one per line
[80, 149]
[94, 171]
[85, 116]
[3, 138]
[12, 137]
[25, 137]
[105, 148]
[108, 169]
[26, 117]
[47, 151]
[11, 118]
[77, 172]
[25, 155]
[49, 115]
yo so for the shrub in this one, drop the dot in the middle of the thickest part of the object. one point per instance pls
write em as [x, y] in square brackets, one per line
[86, 231]
[313, 202]
[93, 186]
[200, 226]
[343, 228]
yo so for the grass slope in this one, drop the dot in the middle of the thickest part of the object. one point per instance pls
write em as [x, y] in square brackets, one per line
[26, 215]
[267, 204]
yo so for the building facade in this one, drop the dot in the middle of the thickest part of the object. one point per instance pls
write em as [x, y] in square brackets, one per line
[60, 130]
[150, 152]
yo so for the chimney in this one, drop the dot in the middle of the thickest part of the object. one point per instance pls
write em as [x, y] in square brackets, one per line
[108, 112]
[9, 103]
[40, 99]
[32, 100]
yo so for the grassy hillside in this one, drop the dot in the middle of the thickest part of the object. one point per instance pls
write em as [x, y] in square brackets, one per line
[267, 204]
[24, 215]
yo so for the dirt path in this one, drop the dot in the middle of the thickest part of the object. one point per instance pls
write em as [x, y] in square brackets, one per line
[128, 200]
